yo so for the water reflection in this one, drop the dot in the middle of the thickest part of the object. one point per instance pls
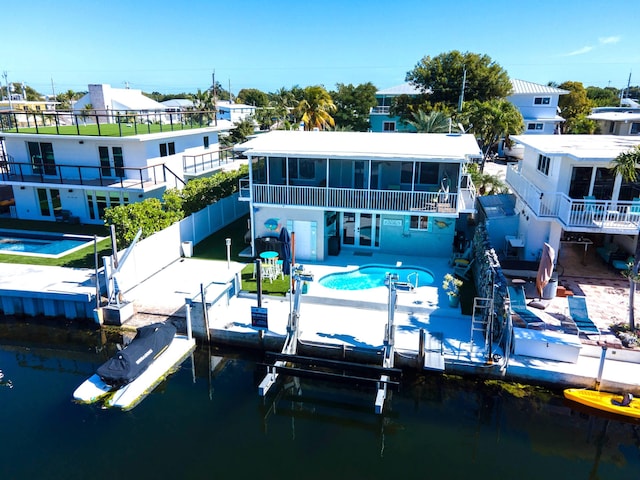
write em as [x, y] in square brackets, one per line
[208, 420]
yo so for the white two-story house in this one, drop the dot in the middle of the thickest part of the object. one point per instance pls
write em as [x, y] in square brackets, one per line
[81, 169]
[402, 193]
[566, 191]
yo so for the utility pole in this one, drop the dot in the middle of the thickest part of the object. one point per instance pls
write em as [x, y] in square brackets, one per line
[6, 81]
[213, 90]
[464, 80]
[53, 90]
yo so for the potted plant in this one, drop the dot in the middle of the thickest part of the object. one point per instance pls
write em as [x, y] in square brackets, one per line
[451, 286]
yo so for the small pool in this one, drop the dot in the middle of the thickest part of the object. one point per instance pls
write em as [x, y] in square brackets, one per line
[52, 245]
[372, 276]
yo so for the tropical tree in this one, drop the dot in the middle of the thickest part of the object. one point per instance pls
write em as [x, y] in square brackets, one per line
[603, 97]
[353, 105]
[315, 108]
[573, 105]
[253, 96]
[434, 122]
[442, 77]
[493, 120]
[626, 165]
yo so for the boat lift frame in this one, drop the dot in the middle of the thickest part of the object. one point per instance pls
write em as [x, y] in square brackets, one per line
[288, 362]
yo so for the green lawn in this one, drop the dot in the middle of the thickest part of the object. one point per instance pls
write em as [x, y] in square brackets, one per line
[109, 129]
[83, 258]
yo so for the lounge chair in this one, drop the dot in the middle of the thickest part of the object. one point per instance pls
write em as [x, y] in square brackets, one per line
[518, 302]
[462, 271]
[580, 316]
[461, 258]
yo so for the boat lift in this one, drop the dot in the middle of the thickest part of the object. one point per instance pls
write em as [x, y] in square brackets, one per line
[290, 347]
[289, 363]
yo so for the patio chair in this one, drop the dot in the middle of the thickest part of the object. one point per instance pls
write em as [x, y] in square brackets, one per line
[580, 316]
[634, 210]
[591, 208]
[462, 271]
[461, 258]
[518, 301]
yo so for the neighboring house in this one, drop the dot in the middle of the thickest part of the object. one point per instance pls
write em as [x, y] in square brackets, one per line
[111, 102]
[538, 105]
[82, 174]
[31, 108]
[617, 120]
[565, 191]
[234, 112]
[178, 105]
[379, 116]
[403, 193]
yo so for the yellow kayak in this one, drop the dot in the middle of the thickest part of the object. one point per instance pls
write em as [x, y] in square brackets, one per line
[608, 402]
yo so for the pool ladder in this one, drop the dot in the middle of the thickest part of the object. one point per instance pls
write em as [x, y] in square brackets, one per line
[408, 286]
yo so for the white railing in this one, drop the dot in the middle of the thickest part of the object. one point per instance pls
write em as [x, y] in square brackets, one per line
[381, 110]
[573, 213]
[354, 199]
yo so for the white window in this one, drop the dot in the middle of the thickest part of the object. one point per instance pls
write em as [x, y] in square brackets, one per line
[542, 100]
[419, 222]
[635, 128]
[389, 127]
[543, 164]
[535, 126]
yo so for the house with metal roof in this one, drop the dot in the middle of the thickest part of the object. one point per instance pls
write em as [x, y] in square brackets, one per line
[369, 192]
[567, 194]
[379, 116]
[538, 105]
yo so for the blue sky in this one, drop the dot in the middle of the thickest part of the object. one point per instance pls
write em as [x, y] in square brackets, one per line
[175, 46]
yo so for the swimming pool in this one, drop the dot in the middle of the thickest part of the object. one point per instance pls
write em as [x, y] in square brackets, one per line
[51, 245]
[372, 276]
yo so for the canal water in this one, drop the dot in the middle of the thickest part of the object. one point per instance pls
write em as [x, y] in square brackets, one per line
[207, 421]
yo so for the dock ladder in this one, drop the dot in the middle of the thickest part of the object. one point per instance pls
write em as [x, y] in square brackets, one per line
[480, 319]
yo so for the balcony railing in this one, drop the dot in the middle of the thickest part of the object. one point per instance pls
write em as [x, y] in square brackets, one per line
[574, 214]
[381, 110]
[206, 161]
[357, 199]
[103, 122]
[116, 177]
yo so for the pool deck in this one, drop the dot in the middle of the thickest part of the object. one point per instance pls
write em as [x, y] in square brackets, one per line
[356, 320]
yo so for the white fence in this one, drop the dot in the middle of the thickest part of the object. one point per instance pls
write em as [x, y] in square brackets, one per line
[154, 253]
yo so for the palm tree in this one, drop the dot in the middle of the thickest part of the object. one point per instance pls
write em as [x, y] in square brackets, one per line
[315, 108]
[434, 122]
[626, 165]
[493, 120]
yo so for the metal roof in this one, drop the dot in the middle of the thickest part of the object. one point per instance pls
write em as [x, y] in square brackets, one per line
[522, 87]
[404, 89]
[363, 145]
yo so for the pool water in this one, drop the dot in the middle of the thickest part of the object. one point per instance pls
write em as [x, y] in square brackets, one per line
[374, 276]
[40, 244]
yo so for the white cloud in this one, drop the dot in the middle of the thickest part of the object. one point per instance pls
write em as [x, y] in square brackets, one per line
[580, 51]
[606, 40]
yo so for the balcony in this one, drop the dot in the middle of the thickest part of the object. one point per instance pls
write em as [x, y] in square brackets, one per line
[444, 204]
[206, 162]
[598, 216]
[380, 110]
[121, 177]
